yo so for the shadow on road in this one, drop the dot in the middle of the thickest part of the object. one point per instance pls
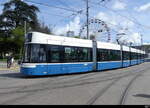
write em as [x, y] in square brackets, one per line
[12, 75]
[142, 95]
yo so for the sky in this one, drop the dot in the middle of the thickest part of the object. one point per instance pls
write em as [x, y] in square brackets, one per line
[121, 16]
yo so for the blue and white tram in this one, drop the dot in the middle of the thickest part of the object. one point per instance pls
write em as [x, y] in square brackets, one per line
[53, 55]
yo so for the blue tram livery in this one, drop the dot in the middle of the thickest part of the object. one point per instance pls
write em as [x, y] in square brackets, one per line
[53, 55]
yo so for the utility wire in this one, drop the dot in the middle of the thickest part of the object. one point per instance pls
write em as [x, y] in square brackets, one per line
[51, 6]
[64, 4]
[57, 14]
[145, 26]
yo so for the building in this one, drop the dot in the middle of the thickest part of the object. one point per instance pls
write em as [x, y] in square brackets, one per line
[146, 48]
[70, 34]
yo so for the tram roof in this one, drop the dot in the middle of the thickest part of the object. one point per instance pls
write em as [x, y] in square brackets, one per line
[41, 38]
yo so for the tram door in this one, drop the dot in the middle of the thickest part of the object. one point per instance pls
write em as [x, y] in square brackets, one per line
[54, 66]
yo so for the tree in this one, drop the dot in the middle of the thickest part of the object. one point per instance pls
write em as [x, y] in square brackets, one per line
[18, 39]
[78, 37]
[41, 27]
[17, 11]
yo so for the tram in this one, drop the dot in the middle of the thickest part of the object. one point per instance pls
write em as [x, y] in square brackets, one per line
[55, 55]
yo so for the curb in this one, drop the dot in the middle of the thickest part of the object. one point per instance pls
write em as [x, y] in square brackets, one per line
[7, 69]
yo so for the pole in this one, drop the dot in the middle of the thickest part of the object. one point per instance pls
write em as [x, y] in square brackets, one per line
[87, 15]
[25, 28]
[142, 57]
[94, 54]
[130, 53]
[23, 46]
[141, 39]
[121, 54]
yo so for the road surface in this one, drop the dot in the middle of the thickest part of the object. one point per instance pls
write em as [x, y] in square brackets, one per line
[127, 86]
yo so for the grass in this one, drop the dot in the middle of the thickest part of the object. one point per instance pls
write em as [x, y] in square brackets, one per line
[3, 60]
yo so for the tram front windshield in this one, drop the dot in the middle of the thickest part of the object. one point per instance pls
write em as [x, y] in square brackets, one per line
[34, 53]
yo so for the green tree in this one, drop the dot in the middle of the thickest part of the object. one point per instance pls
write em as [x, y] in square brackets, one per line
[77, 37]
[17, 11]
[41, 27]
[18, 39]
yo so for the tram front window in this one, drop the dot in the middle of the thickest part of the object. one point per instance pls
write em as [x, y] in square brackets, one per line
[35, 54]
[27, 54]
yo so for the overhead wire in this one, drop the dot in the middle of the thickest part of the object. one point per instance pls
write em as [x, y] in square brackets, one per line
[134, 20]
[51, 6]
[114, 11]
[64, 4]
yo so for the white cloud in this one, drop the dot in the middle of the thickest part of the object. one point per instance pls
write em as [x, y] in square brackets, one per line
[119, 5]
[144, 7]
[134, 38]
[103, 16]
[146, 43]
[127, 24]
[114, 21]
[1, 9]
[71, 26]
[109, 19]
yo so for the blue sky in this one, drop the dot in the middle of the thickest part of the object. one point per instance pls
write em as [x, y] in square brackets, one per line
[118, 14]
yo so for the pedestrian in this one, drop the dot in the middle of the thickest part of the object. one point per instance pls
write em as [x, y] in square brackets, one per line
[8, 61]
[12, 61]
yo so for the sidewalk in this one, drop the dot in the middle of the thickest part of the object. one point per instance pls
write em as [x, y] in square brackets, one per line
[3, 66]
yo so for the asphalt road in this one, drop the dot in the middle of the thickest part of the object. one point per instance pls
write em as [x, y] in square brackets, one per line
[127, 86]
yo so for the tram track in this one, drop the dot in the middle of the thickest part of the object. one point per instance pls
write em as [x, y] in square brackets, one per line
[126, 91]
[33, 91]
[49, 81]
[123, 96]
[77, 80]
[116, 74]
[30, 91]
[69, 79]
[91, 101]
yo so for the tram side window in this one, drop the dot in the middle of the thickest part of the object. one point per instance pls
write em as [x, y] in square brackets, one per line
[84, 54]
[42, 54]
[143, 56]
[70, 54]
[74, 54]
[103, 55]
[54, 54]
[38, 54]
[34, 57]
[108, 55]
[126, 55]
[134, 56]
[139, 56]
[27, 54]
[114, 55]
